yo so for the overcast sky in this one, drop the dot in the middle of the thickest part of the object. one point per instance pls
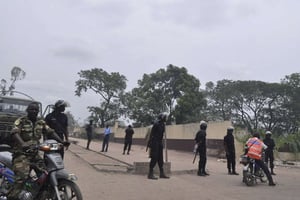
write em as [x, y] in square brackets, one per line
[52, 40]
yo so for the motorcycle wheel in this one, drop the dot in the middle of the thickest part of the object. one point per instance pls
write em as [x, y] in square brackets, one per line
[68, 190]
[248, 178]
[263, 177]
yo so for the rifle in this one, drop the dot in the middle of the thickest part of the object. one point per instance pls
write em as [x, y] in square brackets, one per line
[196, 152]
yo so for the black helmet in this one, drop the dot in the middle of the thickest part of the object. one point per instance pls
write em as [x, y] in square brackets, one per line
[268, 133]
[230, 130]
[61, 103]
[162, 117]
[33, 105]
[203, 125]
[256, 134]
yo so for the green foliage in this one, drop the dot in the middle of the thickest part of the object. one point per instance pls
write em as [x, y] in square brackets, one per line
[290, 142]
[110, 88]
[255, 105]
[170, 90]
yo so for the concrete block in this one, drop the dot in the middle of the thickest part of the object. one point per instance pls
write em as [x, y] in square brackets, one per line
[143, 168]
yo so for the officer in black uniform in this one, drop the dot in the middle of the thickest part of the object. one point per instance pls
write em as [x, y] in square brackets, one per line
[128, 139]
[58, 121]
[230, 151]
[201, 143]
[156, 146]
[269, 155]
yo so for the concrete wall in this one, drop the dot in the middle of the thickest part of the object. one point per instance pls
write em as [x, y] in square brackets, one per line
[179, 137]
[215, 130]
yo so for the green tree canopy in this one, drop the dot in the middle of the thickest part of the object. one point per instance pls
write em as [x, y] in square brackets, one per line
[251, 104]
[109, 86]
[167, 90]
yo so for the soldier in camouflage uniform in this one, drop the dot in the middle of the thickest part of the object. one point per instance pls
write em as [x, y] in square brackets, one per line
[27, 131]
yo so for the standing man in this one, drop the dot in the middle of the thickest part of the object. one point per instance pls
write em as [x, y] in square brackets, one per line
[230, 151]
[89, 133]
[58, 121]
[27, 131]
[156, 146]
[201, 144]
[128, 139]
[106, 139]
[269, 153]
[254, 150]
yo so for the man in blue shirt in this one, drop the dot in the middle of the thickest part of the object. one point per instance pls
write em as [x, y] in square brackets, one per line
[106, 139]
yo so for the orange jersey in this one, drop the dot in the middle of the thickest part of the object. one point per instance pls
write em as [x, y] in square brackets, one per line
[255, 147]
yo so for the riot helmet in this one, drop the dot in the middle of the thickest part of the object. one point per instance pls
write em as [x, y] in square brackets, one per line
[268, 133]
[230, 129]
[162, 117]
[60, 105]
[203, 125]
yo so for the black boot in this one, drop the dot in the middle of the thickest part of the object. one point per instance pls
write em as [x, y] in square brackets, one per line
[162, 174]
[272, 171]
[205, 173]
[272, 183]
[235, 173]
[229, 171]
[201, 173]
[151, 175]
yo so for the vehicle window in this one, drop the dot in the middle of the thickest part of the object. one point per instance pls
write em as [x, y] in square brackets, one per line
[12, 108]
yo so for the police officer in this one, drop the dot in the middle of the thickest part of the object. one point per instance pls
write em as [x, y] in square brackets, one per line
[89, 134]
[269, 155]
[58, 121]
[128, 139]
[27, 131]
[156, 146]
[201, 143]
[230, 151]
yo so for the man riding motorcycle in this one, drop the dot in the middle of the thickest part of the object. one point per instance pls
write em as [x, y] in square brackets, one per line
[254, 148]
[27, 131]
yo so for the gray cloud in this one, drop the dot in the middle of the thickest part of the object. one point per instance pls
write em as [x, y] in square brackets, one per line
[53, 40]
[74, 53]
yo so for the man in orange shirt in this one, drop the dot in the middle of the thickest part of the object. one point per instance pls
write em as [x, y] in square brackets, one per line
[254, 150]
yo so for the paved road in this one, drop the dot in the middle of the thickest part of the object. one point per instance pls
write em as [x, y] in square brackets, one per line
[102, 177]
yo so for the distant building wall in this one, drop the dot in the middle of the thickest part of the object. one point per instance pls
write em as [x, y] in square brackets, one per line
[181, 137]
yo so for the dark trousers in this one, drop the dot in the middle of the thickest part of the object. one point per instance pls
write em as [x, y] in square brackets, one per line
[105, 143]
[263, 166]
[156, 155]
[62, 152]
[269, 157]
[88, 143]
[127, 143]
[202, 161]
[231, 161]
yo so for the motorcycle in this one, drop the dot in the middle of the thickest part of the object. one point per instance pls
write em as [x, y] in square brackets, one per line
[251, 172]
[52, 183]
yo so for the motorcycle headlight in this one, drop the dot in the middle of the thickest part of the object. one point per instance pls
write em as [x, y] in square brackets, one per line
[72, 177]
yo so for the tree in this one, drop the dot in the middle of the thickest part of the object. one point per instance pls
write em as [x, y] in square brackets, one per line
[219, 99]
[166, 90]
[16, 74]
[110, 87]
[292, 101]
[251, 104]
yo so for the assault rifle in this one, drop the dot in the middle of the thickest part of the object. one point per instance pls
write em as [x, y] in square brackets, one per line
[196, 152]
